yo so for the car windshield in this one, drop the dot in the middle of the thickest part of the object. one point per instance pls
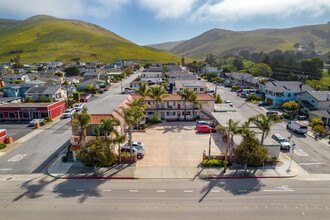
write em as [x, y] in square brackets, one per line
[282, 140]
[77, 105]
[67, 111]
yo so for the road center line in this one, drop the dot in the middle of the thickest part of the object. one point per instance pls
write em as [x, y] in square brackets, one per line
[188, 191]
[278, 190]
[133, 190]
[6, 169]
[107, 190]
[215, 191]
[161, 191]
[310, 163]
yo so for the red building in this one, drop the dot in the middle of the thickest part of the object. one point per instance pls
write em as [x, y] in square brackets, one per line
[3, 135]
[29, 111]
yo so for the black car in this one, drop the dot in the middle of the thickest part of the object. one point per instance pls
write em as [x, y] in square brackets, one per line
[263, 104]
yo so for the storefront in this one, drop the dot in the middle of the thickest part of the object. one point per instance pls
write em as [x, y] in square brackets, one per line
[29, 111]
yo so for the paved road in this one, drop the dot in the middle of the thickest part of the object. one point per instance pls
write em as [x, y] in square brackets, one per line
[49, 198]
[35, 154]
[313, 156]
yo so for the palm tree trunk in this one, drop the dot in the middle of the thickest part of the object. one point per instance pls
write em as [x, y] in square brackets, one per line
[119, 152]
[262, 138]
[130, 143]
[193, 111]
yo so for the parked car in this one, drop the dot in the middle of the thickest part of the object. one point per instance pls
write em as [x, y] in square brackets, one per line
[297, 126]
[78, 107]
[140, 152]
[128, 90]
[204, 123]
[37, 120]
[263, 104]
[228, 102]
[285, 145]
[210, 91]
[137, 145]
[68, 113]
[205, 129]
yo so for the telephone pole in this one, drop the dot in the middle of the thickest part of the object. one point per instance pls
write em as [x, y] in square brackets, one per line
[227, 145]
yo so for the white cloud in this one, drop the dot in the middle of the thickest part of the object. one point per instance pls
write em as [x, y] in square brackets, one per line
[60, 8]
[232, 10]
[172, 9]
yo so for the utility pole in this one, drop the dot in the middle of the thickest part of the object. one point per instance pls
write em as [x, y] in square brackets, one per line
[67, 95]
[299, 100]
[210, 145]
[227, 145]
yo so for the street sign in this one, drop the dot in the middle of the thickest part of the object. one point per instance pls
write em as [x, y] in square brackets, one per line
[293, 144]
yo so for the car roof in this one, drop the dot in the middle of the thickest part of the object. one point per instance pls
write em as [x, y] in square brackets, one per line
[203, 126]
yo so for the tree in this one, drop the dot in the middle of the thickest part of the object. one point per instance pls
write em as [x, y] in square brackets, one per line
[211, 59]
[316, 122]
[218, 99]
[185, 96]
[71, 71]
[17, 62]
[120, 139]
[319, 129]
[296, 45]
[128, 71]
[96, 153]
[107, 126]
[290, 106]
[262, 69]
[264, 123]
[28, 99]
[131, 116]
[195, 102]
[245, 54]
[313, 68]
[158, 94]
[143, 90]
[250, 152]
[76, 96]
[82, 121]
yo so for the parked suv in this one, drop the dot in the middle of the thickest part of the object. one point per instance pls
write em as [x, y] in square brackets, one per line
[285, 145]
[68, 113]
[140, 152]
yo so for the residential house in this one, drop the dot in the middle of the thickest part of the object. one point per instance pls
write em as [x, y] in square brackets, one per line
[17, 90]
[152, 77]
[54, 92]
[92, 75]
[192, 85]
[5, 100]
[13, 77]
[278, 92]
[93, 82]
[209, 69]
[154, 69]
[172, 107]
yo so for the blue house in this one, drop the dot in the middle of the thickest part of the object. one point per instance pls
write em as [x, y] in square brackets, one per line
[17, 90]
[278, 92]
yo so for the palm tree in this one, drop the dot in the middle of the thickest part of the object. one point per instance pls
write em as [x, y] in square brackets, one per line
[194, 101]
[81, 120]
[264, 123]
[139, 104]
[120, 139]
[108, 126]
[158, 94]
[143, 90]
[185, 96]
[131, 115]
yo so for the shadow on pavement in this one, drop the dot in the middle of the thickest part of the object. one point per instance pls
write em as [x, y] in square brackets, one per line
[32, 189]
[234, 186]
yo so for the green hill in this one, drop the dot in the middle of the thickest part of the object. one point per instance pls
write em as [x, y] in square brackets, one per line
[221, 42]
[165, 46]
[43, 38]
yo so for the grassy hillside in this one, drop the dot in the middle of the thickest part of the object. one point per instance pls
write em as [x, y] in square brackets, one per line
[220, 42]
[166, 46]
[7, 24]
[44, 38]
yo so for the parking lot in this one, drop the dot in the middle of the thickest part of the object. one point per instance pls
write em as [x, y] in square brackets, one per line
[176, 144]
[16, 129]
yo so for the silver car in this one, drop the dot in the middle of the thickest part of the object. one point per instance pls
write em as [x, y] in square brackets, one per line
[68, 113]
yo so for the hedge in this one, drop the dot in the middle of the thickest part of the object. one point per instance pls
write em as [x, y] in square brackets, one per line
[214, 163]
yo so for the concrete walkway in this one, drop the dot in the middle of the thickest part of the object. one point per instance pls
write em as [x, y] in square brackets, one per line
[130, 171]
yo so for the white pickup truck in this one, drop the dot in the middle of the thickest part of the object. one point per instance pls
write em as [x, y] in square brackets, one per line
[297, 126]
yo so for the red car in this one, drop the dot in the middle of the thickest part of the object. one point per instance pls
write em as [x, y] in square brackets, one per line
[205, 129]
[84, 100]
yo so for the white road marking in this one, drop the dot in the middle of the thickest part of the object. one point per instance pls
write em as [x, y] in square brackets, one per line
[161, 191]
[188, 191]
[16, 158]
[310, 163]
[133, 190]
[80, 190]
[278, 190]
[301, 153]
[215, 191]
[6, 169]
[107, 190]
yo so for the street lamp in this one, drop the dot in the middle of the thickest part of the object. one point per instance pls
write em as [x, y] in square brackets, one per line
[293, 145]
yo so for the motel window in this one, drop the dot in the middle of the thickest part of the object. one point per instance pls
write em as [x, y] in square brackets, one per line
[150, 113]
[195, 89]
[170, 113]
[44, 114]
[187, 113]
[1, 115]
[201, 89]
[25, 115]
[181, 89]
[12, 115]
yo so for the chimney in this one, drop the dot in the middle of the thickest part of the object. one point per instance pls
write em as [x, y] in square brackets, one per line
[328, 99]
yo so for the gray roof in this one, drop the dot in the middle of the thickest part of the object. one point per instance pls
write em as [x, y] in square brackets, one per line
[44, 89]
[8, 99]
[12, 76]
[319, 95]
[91, 73]
[286, 86]
[18, 86]
[90, 81]
[323, 113]
[189, 83]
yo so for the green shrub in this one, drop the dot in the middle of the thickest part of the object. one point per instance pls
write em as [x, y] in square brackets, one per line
[214, 163]
[285, 115]
[254, 97]
[125, 155]
[48, 119]
[319, 129]
[28, 99]
[155, 118]
[3, 145]
[42, 123]
[316, 122]
[64, 159]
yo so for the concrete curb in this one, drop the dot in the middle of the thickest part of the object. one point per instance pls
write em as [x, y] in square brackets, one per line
[98, 177]
[248, 177]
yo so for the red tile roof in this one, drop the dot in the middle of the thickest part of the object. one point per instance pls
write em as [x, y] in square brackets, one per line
[176, 97]
[75, 147]
[96, 118]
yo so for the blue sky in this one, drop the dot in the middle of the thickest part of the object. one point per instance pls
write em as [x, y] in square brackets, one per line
[155, 21]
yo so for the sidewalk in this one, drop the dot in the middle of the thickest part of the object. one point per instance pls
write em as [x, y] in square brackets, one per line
[324, 141]
[58, 169]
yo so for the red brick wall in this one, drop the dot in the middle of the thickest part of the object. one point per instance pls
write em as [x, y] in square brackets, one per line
[3, 136]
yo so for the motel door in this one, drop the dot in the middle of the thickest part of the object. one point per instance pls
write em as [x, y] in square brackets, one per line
[35, 115]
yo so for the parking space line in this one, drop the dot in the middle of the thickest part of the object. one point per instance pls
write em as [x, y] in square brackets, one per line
[133, 190]
[161, 191]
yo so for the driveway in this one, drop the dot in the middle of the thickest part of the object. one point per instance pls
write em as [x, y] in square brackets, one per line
[174, 144]
[16, 129]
